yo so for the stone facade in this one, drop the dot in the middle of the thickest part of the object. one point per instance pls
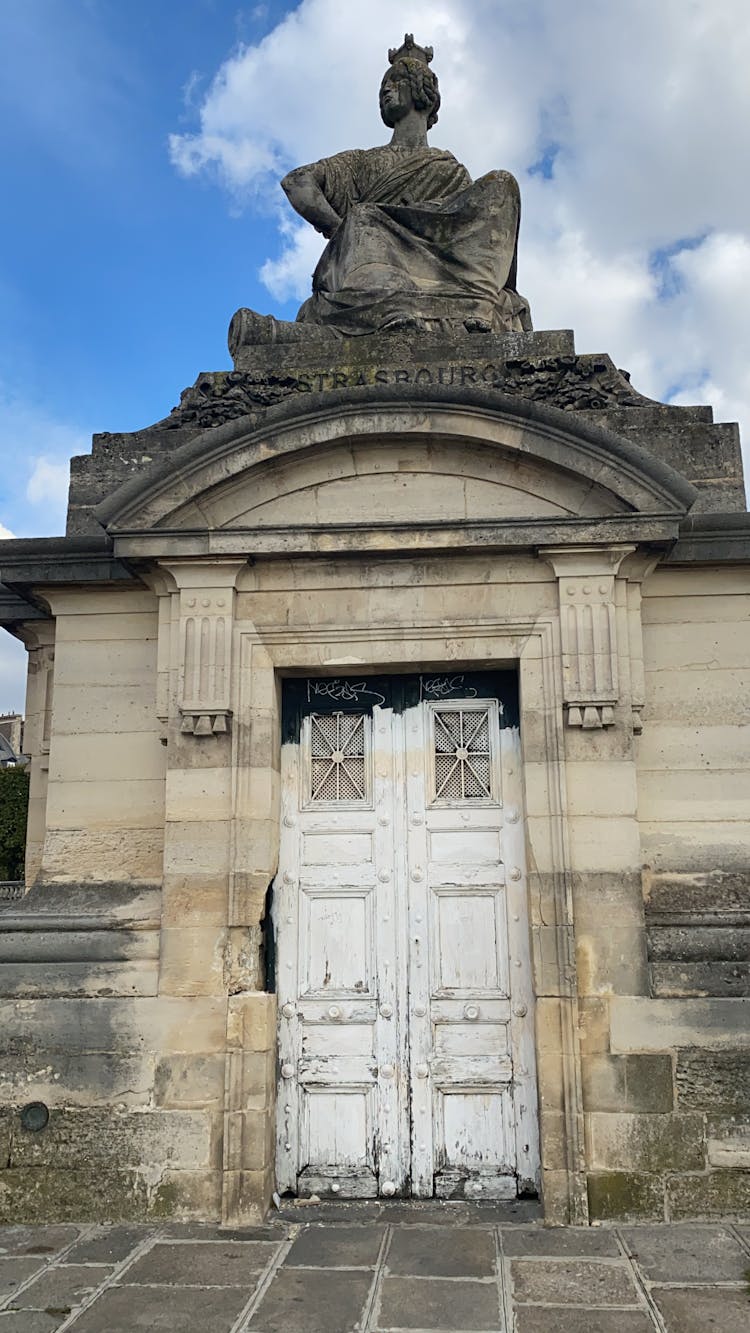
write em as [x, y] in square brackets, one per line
[463, 503]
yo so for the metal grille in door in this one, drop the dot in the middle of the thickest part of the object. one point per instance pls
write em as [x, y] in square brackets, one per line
[463, 760]
[338, 768]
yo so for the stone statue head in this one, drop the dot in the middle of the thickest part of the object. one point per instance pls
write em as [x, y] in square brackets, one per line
[409, 84]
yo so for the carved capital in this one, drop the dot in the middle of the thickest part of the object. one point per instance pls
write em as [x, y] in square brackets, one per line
[199, 636]
[588, 630]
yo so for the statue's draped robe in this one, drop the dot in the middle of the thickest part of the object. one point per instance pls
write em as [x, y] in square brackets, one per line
[418, 239]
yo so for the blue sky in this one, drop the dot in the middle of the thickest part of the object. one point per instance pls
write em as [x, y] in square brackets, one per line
[141, 146]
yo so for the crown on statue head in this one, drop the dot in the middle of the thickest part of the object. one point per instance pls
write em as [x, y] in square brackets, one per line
[410, 51]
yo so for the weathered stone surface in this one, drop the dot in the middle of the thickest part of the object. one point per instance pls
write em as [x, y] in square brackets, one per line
[15, 1271]
[34, 1194]
[419, 1254]
[556, 1319]
[655, 1143]
[43, 1240]
[717, 1194]
[167, 1138]
[429, 1302]
[686, 1254]
[625, 1195]
[699, 944]
[572, 1282]
[229, 1265]
[121, 1309]
[560, 1242]
[628, 1083]
[640, 1024]
[701, 978]
[715, 1081]
[336, 1247]
[61, 1288]
[107, 1245]
[695, 1309]
[328, 1302]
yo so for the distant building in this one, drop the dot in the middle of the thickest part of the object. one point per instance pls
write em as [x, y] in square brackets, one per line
[11, 739]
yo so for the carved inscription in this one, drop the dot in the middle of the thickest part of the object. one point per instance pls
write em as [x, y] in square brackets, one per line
[568, 382]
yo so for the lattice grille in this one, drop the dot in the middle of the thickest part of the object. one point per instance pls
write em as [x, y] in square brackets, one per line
[463, 761]
[338, 770]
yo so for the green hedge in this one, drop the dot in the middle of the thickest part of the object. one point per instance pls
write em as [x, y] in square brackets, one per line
[14, 804]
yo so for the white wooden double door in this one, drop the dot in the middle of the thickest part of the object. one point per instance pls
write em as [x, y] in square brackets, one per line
[406, 1052]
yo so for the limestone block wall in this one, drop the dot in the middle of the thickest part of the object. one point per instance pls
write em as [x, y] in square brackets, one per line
[105, 794]
[132, 977]
[666, 1062]
[135, 1088]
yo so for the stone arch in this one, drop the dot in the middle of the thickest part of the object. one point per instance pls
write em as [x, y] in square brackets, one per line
[599, 472]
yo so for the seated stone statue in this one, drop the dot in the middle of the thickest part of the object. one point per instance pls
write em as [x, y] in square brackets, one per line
[412, 240]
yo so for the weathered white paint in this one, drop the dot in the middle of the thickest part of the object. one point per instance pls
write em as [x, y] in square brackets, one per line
[406, 1047]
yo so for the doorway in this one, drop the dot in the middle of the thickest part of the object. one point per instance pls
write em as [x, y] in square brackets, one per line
[406, 1049]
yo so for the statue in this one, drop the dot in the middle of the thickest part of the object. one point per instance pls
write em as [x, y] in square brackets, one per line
[413, 242]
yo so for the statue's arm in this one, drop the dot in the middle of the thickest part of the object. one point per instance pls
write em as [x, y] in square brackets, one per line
[304, 190]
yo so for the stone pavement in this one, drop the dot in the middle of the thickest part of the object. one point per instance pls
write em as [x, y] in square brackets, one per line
[370, 1267]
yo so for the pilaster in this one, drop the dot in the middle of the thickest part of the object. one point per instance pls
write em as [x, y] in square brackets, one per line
[194, 703]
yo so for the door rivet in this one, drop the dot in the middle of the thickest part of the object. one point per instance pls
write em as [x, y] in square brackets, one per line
[334, 1011]
[520, 1011]
[288, 1010]
[386, 1071]
[422, 1071]
[335, 1187]
[287, 1071]
[419, 1011]
[388, 1188]
[471, 1012]
[515, 872]
[386, 1011]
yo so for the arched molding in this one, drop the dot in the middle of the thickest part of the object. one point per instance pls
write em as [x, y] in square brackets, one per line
[637, 482]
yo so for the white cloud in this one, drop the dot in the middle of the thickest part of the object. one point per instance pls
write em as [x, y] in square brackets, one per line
[289, 275]
[48, 482]
[639, 239]
[35, 448]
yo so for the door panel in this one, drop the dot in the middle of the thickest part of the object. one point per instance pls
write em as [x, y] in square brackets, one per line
[406, 1063]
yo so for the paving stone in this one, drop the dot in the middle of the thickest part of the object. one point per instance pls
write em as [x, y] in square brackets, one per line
[308, 1302]
[432, 1252]
[412, 1302]
[572, 1282]
[336, 1247]
[107, 1245]
[60, 1289]
[36, 1240]
[687, 1253]
[275, 1231]
[15, 1271]
[703, 1309]
[558, 1242]
[29, 1321]
[557, 1319]
[150, 1310]
[196, 1265]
